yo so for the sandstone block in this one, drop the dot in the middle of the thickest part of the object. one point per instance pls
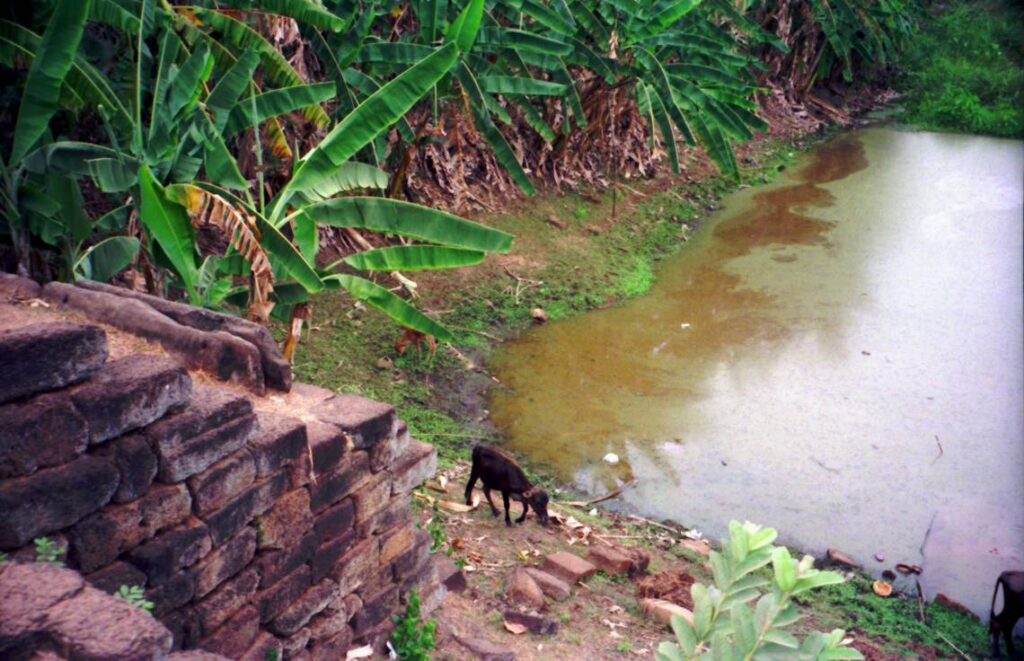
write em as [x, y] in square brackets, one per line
[414, 467]
[296, 643]
[266, 646]
[286, 522]
[384, 453]
[222, 603]
[200, 452]
[172, 550]
[609, 560]
[367, 422]
[48, 356]
[236, 635]
[376, 609]
[299, 613]
[222, 481]
[28, 592]
[274, 565]
[113, 576]
[326, 445]
[136, 463]
[335, 647]
[278, 442]
[335, 520]
[130, 393]
[183, 624]
[372, 497]
[326, 556]
[272, 601]
[395, 513]
[350, 474]
[662, 611]
[353, 568]
[536, 625]
[41, 432]
[99, 539]
[550, 585]
[225, 561]
[396, 542]
[14, 288]
[173, 593]
[699, 546]
[236, 514]
[485, 650]
[568, 567]
[54, 498]
[410, 563]
[520, 588]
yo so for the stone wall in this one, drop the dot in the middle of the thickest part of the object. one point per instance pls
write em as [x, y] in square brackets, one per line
[254, 523]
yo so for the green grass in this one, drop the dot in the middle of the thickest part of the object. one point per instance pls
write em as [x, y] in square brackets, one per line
[963, 71]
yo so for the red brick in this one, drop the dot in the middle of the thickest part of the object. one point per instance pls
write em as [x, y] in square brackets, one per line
[352, 472]
[236, 635]
[252, 502]
[216, 608]
[222, 481]
[298, 614]
[372, 497]
[609, 560]
[276, 564]
[265, 647]
[568, 567]
[414, 467]
[327, 554]
[224, 562]
[335, 521]
[172, 550]
[356, 565]
[99, 539]
[172, 593]
[366, 421]
[278, 442]
[286, 522]
[396, 542]
[113, 576]
[376, 609]
[272, 601]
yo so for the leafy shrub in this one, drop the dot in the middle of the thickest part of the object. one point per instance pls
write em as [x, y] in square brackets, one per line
[135, 596]
[724, 625]
[47, 551]
[412, 639]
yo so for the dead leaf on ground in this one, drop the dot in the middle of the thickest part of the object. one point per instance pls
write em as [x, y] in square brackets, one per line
[515, 628]
[459, 507]
[882, 589]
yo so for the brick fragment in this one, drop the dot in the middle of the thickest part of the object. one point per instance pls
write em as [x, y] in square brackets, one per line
[42, 432]
[550, 585]
[609, 560]
[48, 356]
[130, 393]
[225, 561]
[568, 567]
[222, 481]
[99, 539]
[54, 498]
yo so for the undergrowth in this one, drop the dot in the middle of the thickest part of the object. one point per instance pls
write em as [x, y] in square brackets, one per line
[963, 71]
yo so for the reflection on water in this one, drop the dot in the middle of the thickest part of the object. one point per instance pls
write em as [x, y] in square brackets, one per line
[838, 355]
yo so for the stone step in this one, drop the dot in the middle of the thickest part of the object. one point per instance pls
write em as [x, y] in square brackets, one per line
[48, 356]
[609, 560]
[568, 567]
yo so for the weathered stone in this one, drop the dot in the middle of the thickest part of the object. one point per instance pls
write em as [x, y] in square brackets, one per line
[609, 560]
[432, 598]
[375, 580]
[840, 559]
[486, 650]
[378, 636]
[54, 498]
[395, 513]
[222, 481]
[384, 453]
[520, 588]
[236, 635]
[414, 467]
[335, 521]
[196, 655]
[47, 356]
[42, 432]
[183, 624]
[136, 463]
[200, 452]
[278, 442]
[219, 605]
[113, 576]
[536, 625]
[450, 575]
[14, 288]
[412, 561]
[272, 601]
[266, 646]
[552, 586]
[326, 556]
[276, 370]
[372, 497]
[326, 446]
[276, 564]
[352, 603]
[173, 593]
[367, 422]
[286, 522]
[396, 542]
[356, 565]
[376, 608]
[172, 550]
[130, 393]
[297, 642]
[568, 567]
[662, 611]
[352, 471]
[96, 625]
[639, 559]
[227, 357]
[252, 502]
[99, 539]
[224, 562]
[328, 624]
[299, 613]
[335, 647]
[28, 592]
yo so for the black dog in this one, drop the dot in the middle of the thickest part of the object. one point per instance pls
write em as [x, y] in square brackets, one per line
[500, 472]
[1013, 610]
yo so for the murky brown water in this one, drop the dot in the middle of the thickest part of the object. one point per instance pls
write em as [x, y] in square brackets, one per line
[837, 355]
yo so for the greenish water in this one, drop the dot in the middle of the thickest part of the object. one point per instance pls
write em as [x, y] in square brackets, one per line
[837, 355]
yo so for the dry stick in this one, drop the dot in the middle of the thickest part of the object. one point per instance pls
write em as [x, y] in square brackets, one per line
[656, 524]
[600, 499]
[939, 456]
[920, 598]
[957, 649]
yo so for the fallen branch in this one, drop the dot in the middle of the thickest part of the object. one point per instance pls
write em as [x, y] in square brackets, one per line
[957, 649]
[608, 496]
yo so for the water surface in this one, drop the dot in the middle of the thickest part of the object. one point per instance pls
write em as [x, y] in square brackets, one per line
[837, 355]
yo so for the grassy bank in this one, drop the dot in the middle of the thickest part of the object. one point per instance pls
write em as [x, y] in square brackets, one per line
[964, 71]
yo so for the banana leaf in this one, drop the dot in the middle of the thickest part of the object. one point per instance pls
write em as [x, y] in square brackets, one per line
[391, 305]
[414, 258]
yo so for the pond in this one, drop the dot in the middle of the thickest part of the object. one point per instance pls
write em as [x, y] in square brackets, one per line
[837, 355]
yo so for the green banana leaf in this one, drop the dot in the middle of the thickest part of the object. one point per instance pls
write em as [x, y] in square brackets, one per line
[168, 223]
[276, 103]
[107, 258]
[391, 305]
[304, 11]
[516, 85]
[414, 258]
[464, 29]
[224, 96]
[350, 176]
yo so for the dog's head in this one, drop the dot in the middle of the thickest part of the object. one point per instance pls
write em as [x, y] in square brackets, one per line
[538, 500]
